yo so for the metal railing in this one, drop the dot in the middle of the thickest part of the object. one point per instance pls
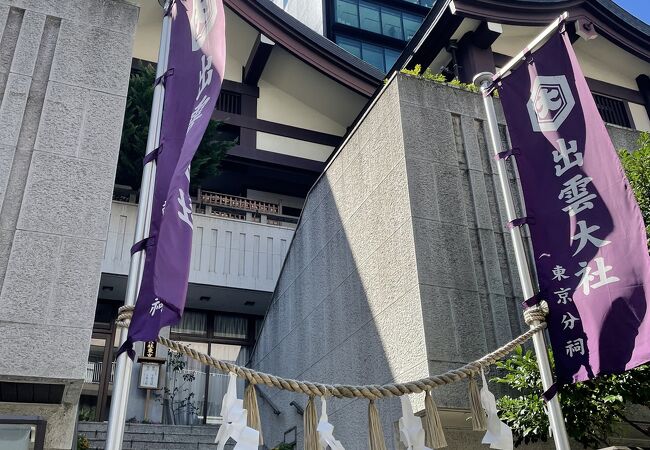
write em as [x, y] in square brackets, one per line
[227, 206]
[94, 372]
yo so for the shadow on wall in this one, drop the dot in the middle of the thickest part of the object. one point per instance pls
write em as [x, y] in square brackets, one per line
[347, 299]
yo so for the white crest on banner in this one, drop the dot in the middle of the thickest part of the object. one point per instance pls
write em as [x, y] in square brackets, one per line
[550, 103]
[499, 435]
[234, 421]
[410, 427]
[202, 19]
[326, 430]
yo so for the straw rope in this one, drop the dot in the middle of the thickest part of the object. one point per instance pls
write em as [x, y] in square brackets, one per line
[534, 317]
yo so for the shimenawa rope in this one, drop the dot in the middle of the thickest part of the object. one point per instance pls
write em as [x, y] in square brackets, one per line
[534, 317]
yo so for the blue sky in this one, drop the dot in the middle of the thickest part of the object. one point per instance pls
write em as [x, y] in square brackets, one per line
[638, 8]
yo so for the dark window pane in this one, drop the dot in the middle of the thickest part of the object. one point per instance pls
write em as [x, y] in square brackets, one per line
[373, 55]
[391, 23]
[191, 323]
[369, 17]
[391, 57]
[347, 13]
[349, 45]
[612, 110]
[411, 25]
[230, 327]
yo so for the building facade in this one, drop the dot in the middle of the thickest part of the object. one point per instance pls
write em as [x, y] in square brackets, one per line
[64, 73]
[409, 153]
[401, 266]
[244, 216]
[67, 227]
[375, 31]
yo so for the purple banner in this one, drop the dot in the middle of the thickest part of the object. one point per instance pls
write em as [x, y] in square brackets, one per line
[587, 232]
[197, 57]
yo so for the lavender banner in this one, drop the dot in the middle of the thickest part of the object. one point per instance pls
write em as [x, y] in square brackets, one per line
[587, 232]
[197, 57]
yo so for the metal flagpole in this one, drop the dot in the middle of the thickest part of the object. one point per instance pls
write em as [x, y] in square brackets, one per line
[484, 80]
[124, 365]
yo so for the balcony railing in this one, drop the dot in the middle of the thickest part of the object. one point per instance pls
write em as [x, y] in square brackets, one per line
[234, 244]
[242, 208]
[94, 372]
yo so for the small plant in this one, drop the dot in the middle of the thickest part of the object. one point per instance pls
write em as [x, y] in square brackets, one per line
[636, 165]
[283, 446]
[82, 442]
[86, 414]
[439, 78]
[180, 396]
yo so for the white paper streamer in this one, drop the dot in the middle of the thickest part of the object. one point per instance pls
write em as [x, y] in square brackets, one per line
[326, 430]
[234, 421]
[499, 435]
[410, 427]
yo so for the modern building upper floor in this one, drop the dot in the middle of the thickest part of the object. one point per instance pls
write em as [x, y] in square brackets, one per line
[461, 38]
[373, 30]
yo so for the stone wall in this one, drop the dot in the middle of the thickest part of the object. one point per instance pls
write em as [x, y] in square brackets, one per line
[64, 71]
[401, 265]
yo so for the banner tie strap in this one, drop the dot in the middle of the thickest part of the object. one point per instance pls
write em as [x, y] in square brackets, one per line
[141, 245]
[488, 90]
[520, 221]
[507, 153]
[152, 155]
[168, 11]
[163, 78]
[532, 301]
[550, 393]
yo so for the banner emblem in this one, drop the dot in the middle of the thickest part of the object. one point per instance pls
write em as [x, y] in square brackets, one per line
[550, 102]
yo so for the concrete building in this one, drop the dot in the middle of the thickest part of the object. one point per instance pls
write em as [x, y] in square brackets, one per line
[373, 30]
[64, 73]
[401, 266]
[244, 217]
[67, 229]
[397, 296]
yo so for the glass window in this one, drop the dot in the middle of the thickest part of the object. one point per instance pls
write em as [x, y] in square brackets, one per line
[230, 327]
[219, 381]
[369, 17]
[347, 13]
[189, 376]
[192, 322]
[349, 45]
[391, 23]
[428, 3]
[391, 57]
[374, 55]
[411, 25]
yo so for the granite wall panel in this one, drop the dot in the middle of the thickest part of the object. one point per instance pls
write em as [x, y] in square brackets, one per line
[64, 71]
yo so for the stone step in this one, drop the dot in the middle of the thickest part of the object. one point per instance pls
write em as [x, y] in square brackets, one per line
[156, 437]
[100, 427]
[145, 445]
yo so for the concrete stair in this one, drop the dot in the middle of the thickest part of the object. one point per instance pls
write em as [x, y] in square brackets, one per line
[155, 437]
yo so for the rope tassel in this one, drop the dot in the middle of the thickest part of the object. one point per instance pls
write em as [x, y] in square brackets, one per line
[435, 436]
[479, 422]
[312, 440]
[250, 405]
[375, 433]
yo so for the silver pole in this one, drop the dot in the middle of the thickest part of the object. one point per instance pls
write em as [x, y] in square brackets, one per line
[124, 365]
[484, 80]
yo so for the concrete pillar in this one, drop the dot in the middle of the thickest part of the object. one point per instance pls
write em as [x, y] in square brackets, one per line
[64, 72]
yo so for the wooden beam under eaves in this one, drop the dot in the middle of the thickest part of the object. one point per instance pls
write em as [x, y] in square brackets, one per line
[260, 54]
